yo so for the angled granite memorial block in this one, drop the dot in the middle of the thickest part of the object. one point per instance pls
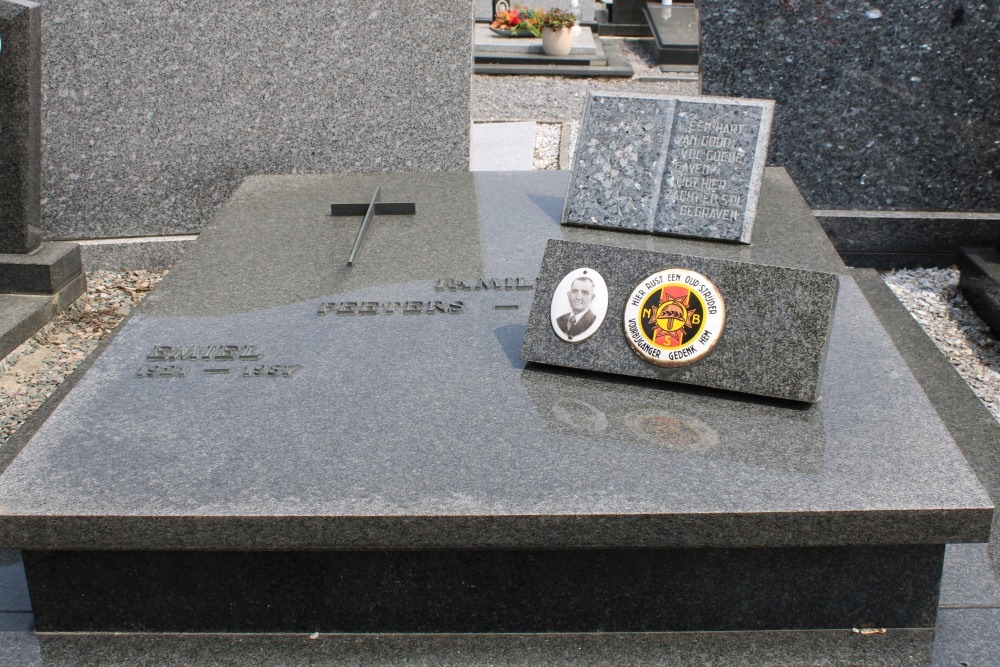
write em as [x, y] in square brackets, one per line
[685, 166]
[276, 441]
[773, 342]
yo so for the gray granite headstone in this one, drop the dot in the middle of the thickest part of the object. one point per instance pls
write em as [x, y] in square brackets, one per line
[155, 112]
[684, 166]
[774, 337]
[20, 125]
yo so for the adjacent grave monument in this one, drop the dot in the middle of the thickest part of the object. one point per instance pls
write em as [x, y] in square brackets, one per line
[153, 114]
[20, 126]
[689, 166]
[360, 449]
[36, 279]
[886, 115]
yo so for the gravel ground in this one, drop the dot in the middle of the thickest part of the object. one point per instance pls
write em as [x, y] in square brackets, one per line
[553, 99]
[30, 373]
[557, 99]
[933, 298]
[547, 139]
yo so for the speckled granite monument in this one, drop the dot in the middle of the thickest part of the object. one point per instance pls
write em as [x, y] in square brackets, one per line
[155, 113]
[687, 166]
[886, 115]
[36, 279]
[881, 106]
[360, 448]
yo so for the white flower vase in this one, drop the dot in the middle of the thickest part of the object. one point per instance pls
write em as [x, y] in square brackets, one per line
[557, 42]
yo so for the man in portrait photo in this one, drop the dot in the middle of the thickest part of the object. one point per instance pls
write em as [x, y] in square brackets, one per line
[581, 296]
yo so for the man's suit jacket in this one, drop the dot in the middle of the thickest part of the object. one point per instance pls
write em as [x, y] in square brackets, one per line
[582, 323]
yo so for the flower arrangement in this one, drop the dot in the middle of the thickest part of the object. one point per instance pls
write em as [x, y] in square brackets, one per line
[517, 21]
[556, 19]
[520, 20]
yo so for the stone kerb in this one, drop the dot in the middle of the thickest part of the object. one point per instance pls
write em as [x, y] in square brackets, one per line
[153, 114]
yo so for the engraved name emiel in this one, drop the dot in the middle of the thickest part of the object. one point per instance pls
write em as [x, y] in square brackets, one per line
[168, 361]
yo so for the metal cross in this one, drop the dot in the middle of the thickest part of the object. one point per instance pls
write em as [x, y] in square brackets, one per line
[373, 208]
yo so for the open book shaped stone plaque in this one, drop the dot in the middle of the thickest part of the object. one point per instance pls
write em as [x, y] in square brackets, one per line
[666, 164]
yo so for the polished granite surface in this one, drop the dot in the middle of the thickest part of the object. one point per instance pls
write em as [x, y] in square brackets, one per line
[322, 441]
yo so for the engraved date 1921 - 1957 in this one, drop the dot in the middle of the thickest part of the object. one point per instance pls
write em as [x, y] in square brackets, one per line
[166, 361]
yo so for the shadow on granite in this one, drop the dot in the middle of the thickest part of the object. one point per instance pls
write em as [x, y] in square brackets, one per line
[971, 576]
[20, 649]
[888, 240]
[967, 637]
[13, 587]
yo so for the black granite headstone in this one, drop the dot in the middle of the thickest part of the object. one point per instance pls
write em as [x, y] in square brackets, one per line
[889, 105]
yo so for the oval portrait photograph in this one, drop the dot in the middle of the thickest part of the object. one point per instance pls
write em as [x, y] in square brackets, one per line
[579, 305]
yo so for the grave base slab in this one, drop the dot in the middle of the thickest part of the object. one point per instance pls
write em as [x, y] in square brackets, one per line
[486, 591]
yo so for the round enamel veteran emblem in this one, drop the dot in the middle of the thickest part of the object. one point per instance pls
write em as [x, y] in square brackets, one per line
[674, 317]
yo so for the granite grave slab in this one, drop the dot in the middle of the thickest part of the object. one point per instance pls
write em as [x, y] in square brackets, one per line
[687, 166]
[770, 338]
[608, 60]
[487, 41]
[376, 420]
